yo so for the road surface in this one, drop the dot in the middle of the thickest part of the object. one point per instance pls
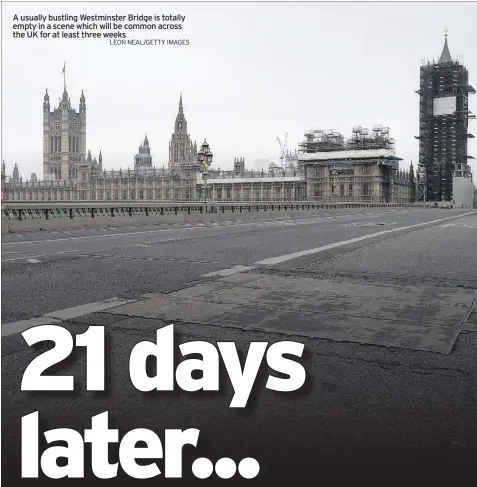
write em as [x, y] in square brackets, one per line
[384, 301]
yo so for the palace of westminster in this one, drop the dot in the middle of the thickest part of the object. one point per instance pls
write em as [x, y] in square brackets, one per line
[327, 168]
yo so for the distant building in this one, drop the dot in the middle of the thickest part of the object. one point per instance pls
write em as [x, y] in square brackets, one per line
[4, 174]
[249, 185]
[291, 158]
[182, 152]
[64, 141]
[239, 166]
[443, 126]
[363, 168]
[155, 184]
[143, 158]
[16, 174]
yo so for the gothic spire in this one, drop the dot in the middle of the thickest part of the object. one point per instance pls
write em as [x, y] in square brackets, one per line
[180, 113]
[181, 124]
[82, 106]
[181, 109]
[65, 99]
[445, 56]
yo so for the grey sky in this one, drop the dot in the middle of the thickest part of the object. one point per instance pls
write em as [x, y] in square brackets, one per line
[252, 72]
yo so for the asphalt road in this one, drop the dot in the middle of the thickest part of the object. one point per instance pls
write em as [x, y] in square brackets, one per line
[72, 268]
[373, 400]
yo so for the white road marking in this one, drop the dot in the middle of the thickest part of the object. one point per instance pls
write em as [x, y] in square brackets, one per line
[31, 257]
[229, 272]
[142, 245]
[21, 258]
[295, 255]
[86, 309]
[177, 239]
[198, 226]
[19, 326]
[458, 225]
[56, 317]
[34, 261]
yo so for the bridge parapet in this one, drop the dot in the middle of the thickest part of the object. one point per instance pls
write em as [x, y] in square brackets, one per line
[30, 216]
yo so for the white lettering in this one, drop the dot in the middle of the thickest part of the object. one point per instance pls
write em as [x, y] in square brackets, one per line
[100, 436]
[163, 350]
[295, 371]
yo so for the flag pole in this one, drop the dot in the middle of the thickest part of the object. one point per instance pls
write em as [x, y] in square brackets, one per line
[64, 75]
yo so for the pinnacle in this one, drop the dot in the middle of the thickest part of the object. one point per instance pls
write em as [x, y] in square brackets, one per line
[445, 56]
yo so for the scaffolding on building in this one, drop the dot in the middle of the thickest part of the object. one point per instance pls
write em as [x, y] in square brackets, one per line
[321, 141]
[361, 167]
[361, 139]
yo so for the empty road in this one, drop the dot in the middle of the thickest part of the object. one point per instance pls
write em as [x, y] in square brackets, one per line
[384, 301]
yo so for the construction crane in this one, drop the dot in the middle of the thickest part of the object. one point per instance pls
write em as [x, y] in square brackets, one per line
[283, 149]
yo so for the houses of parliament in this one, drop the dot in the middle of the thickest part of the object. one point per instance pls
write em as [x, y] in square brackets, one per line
[71, 173]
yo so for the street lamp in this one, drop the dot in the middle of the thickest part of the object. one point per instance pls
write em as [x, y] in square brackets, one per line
[205, 159]
[334, 174]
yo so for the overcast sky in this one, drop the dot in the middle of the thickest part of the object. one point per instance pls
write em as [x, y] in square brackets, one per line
[251, 73]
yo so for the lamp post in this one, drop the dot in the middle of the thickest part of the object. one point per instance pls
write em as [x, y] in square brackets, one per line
[334, 174]
[205, 158]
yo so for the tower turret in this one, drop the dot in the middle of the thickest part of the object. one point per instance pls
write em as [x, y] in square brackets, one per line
[65, 100]
[46, 103]
[182, 152]
[82, 106]
[16, 173]
[143, 158]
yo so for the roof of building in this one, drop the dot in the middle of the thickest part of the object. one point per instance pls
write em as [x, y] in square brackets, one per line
[239, 180]
[346, 154]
